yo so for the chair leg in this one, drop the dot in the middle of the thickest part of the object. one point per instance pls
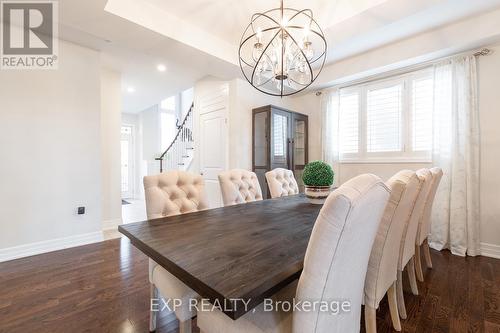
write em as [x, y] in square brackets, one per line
[370, 319]
[401, 298]
[427, 254]
[185, 326]
[393, 307]
[418, 264]
[411, 275]
[153, 293]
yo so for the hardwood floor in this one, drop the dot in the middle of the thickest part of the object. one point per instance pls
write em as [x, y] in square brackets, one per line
[104, 287]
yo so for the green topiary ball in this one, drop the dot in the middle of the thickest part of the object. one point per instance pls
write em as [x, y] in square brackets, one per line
[318, 173]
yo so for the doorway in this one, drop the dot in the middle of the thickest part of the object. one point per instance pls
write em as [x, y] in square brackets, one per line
[127, 161]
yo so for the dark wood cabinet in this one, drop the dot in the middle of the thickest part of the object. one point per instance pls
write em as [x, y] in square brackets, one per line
[280, 140]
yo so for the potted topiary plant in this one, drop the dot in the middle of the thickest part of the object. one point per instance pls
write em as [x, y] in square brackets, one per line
[318, 180]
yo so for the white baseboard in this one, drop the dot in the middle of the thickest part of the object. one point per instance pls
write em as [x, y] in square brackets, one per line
[49, 245]
[111, 224]
[490, 250]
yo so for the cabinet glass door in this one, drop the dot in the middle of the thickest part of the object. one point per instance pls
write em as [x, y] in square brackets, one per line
[261, 148]
[299, 146]
[299, 128]
[280, 140]
[260, 140]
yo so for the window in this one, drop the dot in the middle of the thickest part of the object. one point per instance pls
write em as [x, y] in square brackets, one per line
[168, 120]
[383, 119]
[387, 120]
[421, 113]
[168, 129]
[168, 104]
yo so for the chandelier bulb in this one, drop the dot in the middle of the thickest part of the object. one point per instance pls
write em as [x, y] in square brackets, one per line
[258, 34]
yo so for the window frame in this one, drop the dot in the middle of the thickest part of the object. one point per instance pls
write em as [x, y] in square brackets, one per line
[406, 154]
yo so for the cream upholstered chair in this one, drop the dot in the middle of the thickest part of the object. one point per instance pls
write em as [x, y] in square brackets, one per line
[424, 227]
[382, 268]
[172, 193]
[334, 267]
[281, 183]
[239, 186]
[407, 246]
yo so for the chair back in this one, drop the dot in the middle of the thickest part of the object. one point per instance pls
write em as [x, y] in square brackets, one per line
[337, 254]
[384, 258]
[281, 183]
[174, 192]
[425, 222]
[407, 248]
[239, 186]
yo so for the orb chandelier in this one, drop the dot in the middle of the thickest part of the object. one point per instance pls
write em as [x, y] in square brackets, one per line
[282, 51]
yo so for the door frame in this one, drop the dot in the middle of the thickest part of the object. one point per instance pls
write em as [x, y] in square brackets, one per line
[132, 162]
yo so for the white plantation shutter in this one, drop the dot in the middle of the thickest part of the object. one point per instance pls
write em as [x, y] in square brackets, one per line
[280, 135]
[349, 123]
[389, 120]
[421, 113]
[383, 119]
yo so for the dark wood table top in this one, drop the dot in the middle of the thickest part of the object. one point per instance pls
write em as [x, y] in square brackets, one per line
[229, 254]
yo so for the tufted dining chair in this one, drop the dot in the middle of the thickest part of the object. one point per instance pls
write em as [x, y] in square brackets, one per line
[424, 226]
[239, 186]
[382, 268]
[172, 193]
[407, 246]
[334, 269]
[281, 183]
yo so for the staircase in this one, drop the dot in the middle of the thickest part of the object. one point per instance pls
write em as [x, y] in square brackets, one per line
[180, 153]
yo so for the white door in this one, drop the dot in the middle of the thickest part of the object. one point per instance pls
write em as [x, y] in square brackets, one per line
[127, 161]
[213, 145]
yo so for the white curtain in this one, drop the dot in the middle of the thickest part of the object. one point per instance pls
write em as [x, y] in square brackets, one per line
[455, 219]
[330, 131]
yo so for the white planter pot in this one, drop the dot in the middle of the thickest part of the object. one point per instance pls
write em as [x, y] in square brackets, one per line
[317, 194]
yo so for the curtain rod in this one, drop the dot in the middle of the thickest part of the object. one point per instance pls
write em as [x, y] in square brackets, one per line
[403, 70]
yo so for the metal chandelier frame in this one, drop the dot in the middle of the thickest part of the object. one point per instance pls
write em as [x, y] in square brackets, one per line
[284, 31]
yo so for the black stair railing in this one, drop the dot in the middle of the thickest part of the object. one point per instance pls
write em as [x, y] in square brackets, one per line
[180, 146]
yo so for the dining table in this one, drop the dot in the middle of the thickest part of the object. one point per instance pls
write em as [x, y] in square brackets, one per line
[237, 255]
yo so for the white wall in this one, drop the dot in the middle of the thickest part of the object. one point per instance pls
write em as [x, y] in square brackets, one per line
[489, 113]
[150, 131]
[383, 170]
[110, 148]
[50, 154]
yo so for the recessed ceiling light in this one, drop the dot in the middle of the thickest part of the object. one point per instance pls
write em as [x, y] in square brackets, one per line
[131, 89]
[161, 67]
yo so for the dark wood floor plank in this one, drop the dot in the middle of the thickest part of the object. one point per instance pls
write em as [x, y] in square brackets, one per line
[491, 328]
[491, 291]
[475, 300]
[442, 320]
[104, 287]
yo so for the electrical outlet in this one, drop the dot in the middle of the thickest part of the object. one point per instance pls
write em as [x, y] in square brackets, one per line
[81, 210]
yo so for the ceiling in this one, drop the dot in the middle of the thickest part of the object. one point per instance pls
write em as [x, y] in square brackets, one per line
[226, 19]
[196, 38]
[135, 52]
